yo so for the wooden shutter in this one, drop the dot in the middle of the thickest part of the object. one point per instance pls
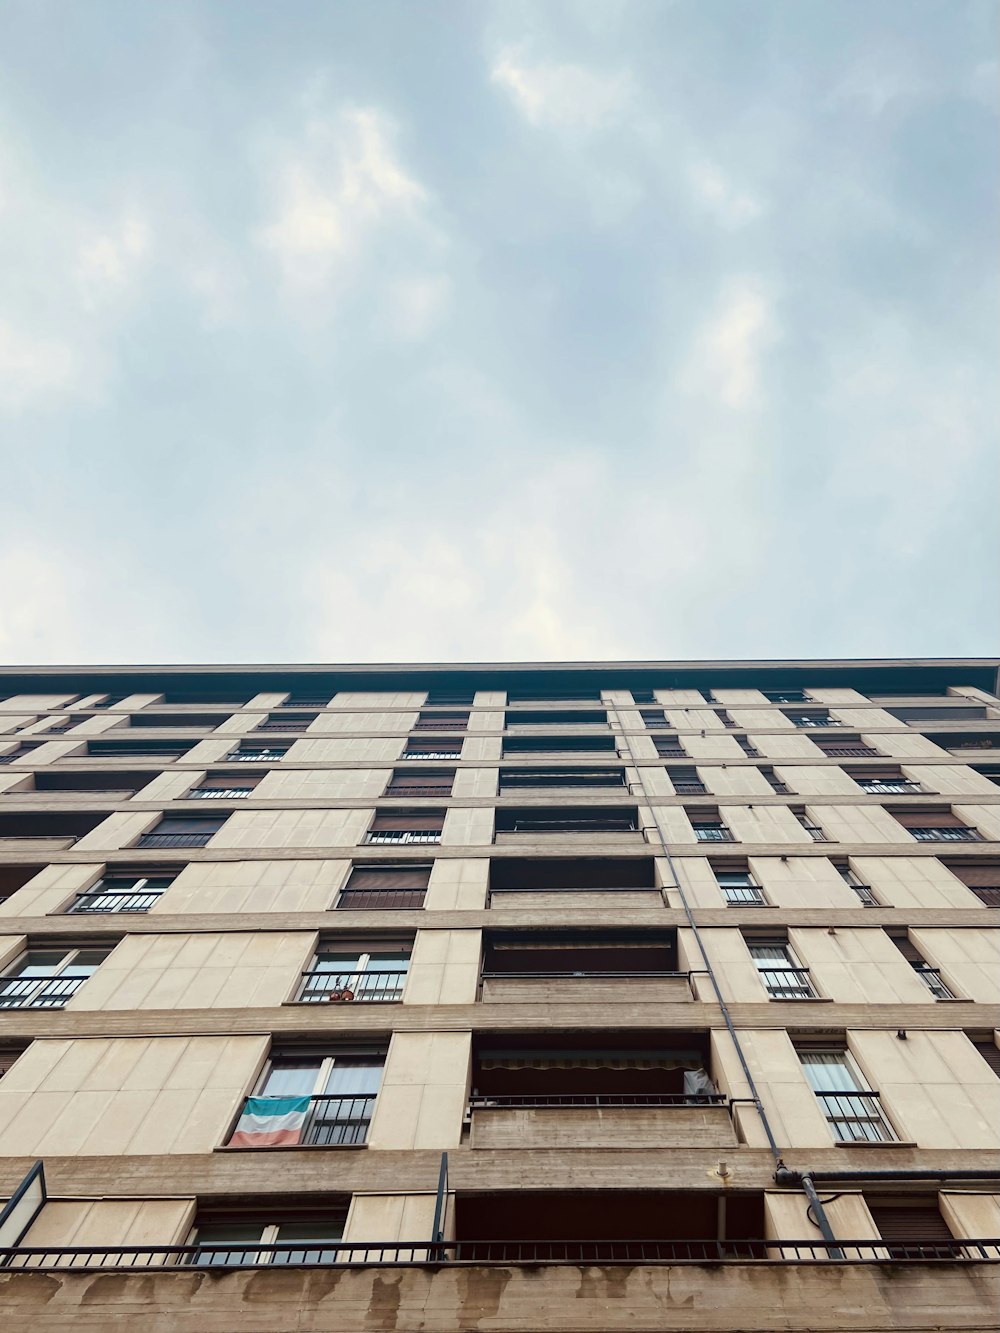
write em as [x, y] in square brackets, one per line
[389, 877]
[176, 825]
[706, 815]
[8, 1054]
[976, 874]
[928, 819]
[910, 1222]
[879, 771]
[429, 744]
[227, 780]
[989, 1051]
[441, 782]
[908, 949]
[406, 821]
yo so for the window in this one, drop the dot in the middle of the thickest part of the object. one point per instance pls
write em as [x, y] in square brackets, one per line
[845, 747]
[864, 891]
[308, 700]
[239, 1244]
[192, 721]
[780, 972]
[747, 746]
[64, 724]
[928, 713]
[556, 718]
[813, 717]
[123, 890]
[708, 826]
[980, 877]
[883, 781]
[654, 718]
[852, 1110]
[935, 825]
[311, 1099]
[738, 887]
[987, 1048]
[432, 782]
[930, 976]
[373, 974]
[151, 749]
[377, 887]
[287, 722]
[182, 831]
[565, 819]
[669, 747]
[48, 978]
[779, 787]
[685, 781]
[222, 787]
[806, 820]
[441, 722]
[785, 696]
[433, 747]
[914, 1226]
[724, 718]
[256, 754]
[451, 698]
[567, 744]
[405, 827]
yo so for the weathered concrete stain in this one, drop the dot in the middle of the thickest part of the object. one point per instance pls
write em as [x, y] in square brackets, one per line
[383, 1309]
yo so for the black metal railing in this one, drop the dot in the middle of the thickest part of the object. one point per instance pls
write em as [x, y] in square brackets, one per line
[690, 789]
[424, 1253]
[865, 894]
[105, 901]
[815, 832]
[219, 793]
[332, 1121]
[374, 900]
[856, 1117]
[38, 992]
[432, 754]
[401, 837]
[573, 888]
[585, 975]
[744, 896]
[945, 834]
[485, 1102]
[443, 792]
[787, 983]
[287, 724]
[319, 987]
[572, 826]
[706, 833]
[175, 839]
[888, 786]
[932, 979]
[253, 756]
[849, 752]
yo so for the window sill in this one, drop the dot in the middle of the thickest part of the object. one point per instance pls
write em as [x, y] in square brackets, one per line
[881, 1143]
[803, 999]
[952, 999]
[333, 1004]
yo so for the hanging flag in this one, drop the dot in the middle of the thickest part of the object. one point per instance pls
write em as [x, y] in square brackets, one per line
[268, 1122]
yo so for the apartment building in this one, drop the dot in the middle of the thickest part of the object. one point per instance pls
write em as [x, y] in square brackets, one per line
[591, 996]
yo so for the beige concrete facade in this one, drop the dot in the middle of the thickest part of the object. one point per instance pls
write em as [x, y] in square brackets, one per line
[602, 988]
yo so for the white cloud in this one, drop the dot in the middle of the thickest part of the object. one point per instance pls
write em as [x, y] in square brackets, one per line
[332, 190]
[34, 370]
[416, 305]
[719, 195]
[109, 261]
[727, 361]
[562, 95]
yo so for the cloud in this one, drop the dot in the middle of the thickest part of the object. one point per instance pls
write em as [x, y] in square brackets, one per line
[726, 364]
[331, 191]
[719, 195]
[35, 371]
[108, 262]
[562, 95]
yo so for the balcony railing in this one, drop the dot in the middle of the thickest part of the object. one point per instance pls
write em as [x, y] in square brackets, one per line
[114, 902]
[253, 756]
[690, 789]
[572, 888]
[945, 834]
[320, 987]
[816, 833]
[219, 793]
[376, 900]
[932, 979]
[849, 752]
[421, 1253]
[38, 992]
[706, 833]
[787, 983]
[401, 837]
[332, 1121]
[432, 754]
[571, 826]
[855, 1117]
[287, 724]
[745, 895]
[175, 839]
[442, 792]
[889, 786]
[865, 894]
[515, 1101]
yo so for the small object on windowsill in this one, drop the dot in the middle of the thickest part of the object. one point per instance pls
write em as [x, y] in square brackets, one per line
[901, 1034]
[340, 995]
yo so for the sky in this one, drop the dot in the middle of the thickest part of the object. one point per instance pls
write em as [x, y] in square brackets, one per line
[411, 330]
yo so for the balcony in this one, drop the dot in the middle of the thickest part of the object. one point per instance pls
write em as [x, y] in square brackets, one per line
[850, 752]
[539, 822]
[402, 837]
[787, 983]
[945, 834]
[596, 1090]
[890, 786]
[855, 1117]
[559, 883]
[597, 966]
[258, 756]
[219, 793]
[380, 900]
[369, 987]
[38, 992]
[319, 1122]
[101, 901]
